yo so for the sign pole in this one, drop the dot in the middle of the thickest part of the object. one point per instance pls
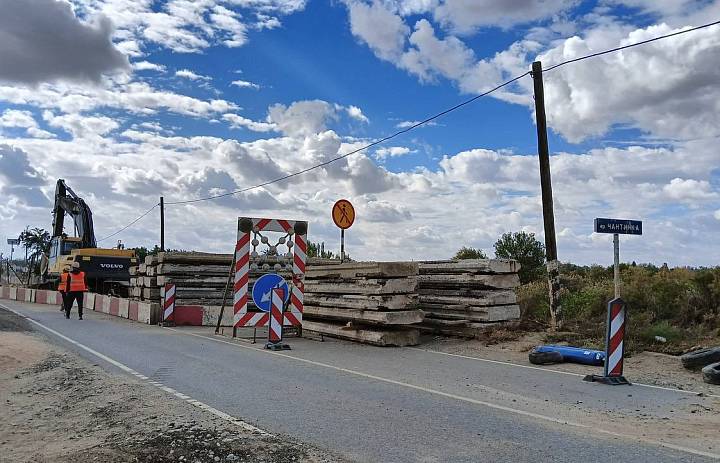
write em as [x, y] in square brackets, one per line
[342, 245]
[616, 252]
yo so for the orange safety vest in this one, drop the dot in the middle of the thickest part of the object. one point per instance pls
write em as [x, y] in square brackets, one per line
[63, 285]
[77, 281]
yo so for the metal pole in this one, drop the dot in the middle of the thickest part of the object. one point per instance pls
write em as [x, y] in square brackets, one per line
[162, 224]
[547, 200]
[342, 245]
[616, 246]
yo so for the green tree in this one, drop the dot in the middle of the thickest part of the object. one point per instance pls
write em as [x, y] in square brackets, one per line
[37, 242]
[470, 253]
[318, 250]
[524, 248]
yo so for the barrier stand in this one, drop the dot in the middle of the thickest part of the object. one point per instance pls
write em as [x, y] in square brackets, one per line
[168, 297]
[275, 326]
[614, 346]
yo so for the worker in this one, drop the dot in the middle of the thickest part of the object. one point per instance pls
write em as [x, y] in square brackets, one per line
[78, 287]
[63, 287]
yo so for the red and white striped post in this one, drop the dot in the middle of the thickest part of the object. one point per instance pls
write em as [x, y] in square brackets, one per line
[275, 327]
[614, 345]
[168, 297]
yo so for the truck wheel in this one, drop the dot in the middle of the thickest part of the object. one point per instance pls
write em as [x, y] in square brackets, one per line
[711, 373]
[700, 358]
[544, 358]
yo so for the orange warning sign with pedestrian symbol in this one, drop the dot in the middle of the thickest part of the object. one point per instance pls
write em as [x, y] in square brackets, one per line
[343, 214]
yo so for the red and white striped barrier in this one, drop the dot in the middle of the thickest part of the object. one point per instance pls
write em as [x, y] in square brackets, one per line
[614, 345]
[168, 298]
[246, 226]
[276, 316]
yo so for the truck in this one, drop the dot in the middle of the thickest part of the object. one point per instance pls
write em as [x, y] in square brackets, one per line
[107, 270]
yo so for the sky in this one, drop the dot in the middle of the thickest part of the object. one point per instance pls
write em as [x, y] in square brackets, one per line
[130, 100]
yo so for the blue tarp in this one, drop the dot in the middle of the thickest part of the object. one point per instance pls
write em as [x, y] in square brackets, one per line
[576, 354]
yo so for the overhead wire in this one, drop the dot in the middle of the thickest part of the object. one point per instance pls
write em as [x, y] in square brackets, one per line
[130, 224]
[413, 126]
[630, 45]
[369, 145]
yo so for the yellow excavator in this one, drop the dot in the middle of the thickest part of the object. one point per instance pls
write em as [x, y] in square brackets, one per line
[107, 270]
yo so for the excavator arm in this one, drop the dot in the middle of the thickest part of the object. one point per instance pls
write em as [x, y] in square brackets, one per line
[66, 201]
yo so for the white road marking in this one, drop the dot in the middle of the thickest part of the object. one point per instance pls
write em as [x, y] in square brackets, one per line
[462, 398]
[220, 414]
[550, 370]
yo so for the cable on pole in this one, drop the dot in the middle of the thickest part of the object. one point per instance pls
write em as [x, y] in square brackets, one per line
[130, 224]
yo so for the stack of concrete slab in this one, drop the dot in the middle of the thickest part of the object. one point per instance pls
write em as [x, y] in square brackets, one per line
[200, 278]
[468, 297]
[370, 302]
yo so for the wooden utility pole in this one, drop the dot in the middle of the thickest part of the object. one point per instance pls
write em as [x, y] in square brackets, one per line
[547, 200]
[162, 224]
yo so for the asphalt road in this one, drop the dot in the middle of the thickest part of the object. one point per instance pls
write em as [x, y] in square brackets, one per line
[380, 404]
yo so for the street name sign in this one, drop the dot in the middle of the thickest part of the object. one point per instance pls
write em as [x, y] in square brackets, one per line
[618, 226]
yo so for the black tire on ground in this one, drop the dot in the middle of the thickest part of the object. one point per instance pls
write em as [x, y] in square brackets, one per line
[700, 358]
[545, 358]
[711, 373]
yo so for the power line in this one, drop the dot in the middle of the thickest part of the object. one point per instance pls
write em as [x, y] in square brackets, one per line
[414, 126]
[624, 47]
[370, 145]
[130, 224]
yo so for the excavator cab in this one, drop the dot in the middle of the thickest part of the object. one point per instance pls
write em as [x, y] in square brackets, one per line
[61, 248]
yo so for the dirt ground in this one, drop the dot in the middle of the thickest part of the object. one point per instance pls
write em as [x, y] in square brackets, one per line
[645, 367]
[56, 407]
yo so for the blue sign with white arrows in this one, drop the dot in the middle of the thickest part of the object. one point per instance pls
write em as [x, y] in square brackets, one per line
[262, 290]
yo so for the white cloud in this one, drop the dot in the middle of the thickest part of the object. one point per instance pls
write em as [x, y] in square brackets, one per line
[135, 97]
[244, 84]
[392, 151]
[381, 29]
[356, 113]
[717, 214]
[19, 180]
[188, 26]
[24, 120]
[665, 88]
[236, 121]
[43, 40]
[188, 74]
[467, 15]
[407, 124]
[689, 190]
[82, 126]
[147, 66]
[447, 57]
[302, 117]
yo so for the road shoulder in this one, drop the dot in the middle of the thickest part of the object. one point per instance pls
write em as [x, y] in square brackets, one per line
[58, 407]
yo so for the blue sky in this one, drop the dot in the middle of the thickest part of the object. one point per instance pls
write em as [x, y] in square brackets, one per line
[138, 99]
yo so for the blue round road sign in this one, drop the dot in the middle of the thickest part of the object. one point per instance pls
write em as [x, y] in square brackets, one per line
[262, 290]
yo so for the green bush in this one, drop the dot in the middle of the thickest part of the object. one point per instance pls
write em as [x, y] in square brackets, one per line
[680, 304]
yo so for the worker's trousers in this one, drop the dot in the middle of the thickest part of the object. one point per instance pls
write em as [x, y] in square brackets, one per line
[71, 297]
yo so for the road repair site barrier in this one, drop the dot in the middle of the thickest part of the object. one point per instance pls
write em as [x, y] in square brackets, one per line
[140, 311]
